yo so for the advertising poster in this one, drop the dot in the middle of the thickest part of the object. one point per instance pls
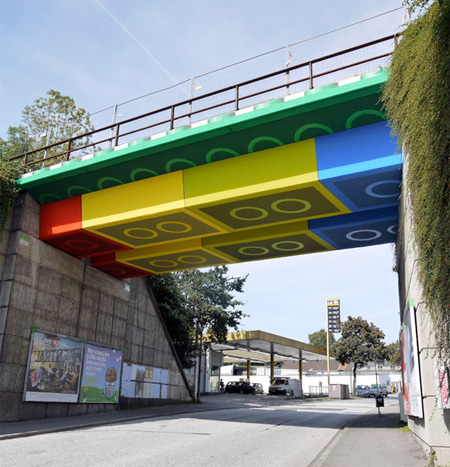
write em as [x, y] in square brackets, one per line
[442, 385]
[410, 363]
[140, 381]
[53, 371]
[101, 375]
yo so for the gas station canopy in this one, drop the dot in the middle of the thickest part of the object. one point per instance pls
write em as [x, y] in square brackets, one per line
[258, 346]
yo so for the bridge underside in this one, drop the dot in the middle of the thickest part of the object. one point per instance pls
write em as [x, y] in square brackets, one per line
[312, 172]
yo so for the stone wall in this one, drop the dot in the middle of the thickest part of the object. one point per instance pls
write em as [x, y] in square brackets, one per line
[47, 289]
[433, 430]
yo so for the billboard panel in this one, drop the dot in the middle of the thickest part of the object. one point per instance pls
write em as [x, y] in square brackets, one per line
[410, 363]
[101, 374]
[53, 370]
[141, 381]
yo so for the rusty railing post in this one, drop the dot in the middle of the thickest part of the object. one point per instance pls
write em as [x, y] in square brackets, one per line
[172, 116]
[236, 98]
[69, 147]
[311, 84]
[116, 138]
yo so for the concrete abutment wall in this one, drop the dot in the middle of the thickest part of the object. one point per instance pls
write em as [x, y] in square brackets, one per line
[46, 289]
[433, 430]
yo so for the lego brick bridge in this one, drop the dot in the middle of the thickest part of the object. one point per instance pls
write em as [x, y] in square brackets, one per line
[312, 171]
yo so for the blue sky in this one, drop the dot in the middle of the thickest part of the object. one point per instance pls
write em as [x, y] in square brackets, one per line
[103, 52]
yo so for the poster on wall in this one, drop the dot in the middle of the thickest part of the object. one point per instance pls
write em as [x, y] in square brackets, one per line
[442, 385]
[140, 381]
[410, 363]
[53, 370]
[101, 375]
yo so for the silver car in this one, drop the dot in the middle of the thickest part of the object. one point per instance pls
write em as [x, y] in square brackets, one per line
[380, 389]
[362, 391]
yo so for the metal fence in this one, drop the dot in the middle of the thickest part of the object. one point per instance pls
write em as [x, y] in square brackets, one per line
[269, 76]
[318, 391]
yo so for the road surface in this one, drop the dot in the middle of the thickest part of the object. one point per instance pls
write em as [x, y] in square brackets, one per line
[251, 431]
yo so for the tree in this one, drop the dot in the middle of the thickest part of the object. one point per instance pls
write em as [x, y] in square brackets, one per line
[171, 304]
[361, 343]
[394, 355]
[49, 120]
[18, 142]
[319, 339]
[9, 170]
[210, 301]
[193, 302]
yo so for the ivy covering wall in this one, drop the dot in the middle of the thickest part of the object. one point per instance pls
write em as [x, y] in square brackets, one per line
[8, 189]
[417, 101]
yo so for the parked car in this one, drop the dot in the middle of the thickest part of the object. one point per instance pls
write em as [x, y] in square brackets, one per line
[362, 391]
[380, 389]
[240, 387]
[258, 388]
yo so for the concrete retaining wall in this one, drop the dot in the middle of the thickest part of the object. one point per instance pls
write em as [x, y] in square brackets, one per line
[433, 430]
[44, 288]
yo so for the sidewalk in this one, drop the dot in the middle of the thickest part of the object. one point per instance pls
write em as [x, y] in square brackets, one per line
[373, 440]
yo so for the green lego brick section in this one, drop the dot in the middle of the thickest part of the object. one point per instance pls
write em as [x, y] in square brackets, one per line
[327, 109]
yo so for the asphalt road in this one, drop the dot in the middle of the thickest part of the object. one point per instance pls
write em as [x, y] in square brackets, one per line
[253, 431]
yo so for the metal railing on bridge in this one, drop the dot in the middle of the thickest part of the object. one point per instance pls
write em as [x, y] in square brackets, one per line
[279, 83]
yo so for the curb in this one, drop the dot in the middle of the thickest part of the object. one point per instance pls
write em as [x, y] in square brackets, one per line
[114, 421]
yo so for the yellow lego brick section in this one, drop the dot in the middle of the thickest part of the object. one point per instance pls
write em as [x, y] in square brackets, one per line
[242, 177]
[136, 200]
[267, 242]
[274, 186]
[144, 213]
[186, 254]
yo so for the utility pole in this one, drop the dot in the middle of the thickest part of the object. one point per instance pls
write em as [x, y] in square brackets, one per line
[328, 350]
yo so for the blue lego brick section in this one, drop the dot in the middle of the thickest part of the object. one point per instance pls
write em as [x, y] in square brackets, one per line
[354, 230]
[361, 166]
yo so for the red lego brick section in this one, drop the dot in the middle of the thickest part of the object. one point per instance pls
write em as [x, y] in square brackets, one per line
[60, 218]
[61, 226]
[108, 264]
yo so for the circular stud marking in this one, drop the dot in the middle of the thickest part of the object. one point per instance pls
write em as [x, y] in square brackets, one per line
[353, 117]
[178, 160]
[370, 189]
[128, 233]
[375, 234]
[262, 213]
[135, 172]
[309, 126]
[254, 142]
[71, 189]
[191, 259]
[253, 250]
[185, 228]
[48, 195]
[306, 206]
[296, 245]
[392, 229]
[104, 180]
[213, 152]
[163, 263]
[81, 244]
